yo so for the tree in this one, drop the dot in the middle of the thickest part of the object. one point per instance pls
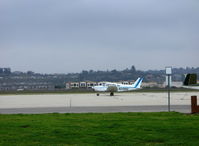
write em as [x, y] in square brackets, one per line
[133, 68]
[30, 72]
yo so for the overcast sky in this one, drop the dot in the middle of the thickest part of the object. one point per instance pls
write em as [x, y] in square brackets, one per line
[62, 36]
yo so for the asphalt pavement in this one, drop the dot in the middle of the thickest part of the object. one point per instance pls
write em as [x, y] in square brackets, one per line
[97, 109]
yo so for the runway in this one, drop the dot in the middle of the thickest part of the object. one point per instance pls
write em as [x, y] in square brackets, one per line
[83, 103]
[99, 109]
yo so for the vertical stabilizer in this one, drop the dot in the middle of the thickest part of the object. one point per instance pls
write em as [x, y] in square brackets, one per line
[190, 79]
[137, 83]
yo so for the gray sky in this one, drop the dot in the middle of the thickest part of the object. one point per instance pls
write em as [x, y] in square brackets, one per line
[62, 36]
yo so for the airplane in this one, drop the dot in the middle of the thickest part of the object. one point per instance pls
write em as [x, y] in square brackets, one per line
[191, 82]
[115, 87]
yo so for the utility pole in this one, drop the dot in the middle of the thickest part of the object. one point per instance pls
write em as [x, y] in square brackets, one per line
[168, 73]
[169, 93]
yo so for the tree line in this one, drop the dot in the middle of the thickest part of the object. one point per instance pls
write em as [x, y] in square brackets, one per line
[127, 74]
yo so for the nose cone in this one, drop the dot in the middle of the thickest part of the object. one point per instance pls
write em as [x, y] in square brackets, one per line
[93, 88]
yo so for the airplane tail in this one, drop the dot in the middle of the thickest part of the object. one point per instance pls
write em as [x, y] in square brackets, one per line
[137, 83]
[190, 79]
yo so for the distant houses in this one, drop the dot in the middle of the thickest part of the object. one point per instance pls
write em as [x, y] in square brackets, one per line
[74, 85]
[36, 86]
[26, 86]
[90, 84]
[17, 80]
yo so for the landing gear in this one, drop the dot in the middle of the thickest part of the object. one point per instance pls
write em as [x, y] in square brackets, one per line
[111, 94]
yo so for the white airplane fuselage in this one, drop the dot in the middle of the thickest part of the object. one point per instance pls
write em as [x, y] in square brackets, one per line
[191, 87]
[119, 87]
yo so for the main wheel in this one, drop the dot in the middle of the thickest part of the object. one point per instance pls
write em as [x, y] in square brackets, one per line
[111, 94]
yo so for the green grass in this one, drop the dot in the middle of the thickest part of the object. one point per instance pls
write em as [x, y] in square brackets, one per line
[100, 129]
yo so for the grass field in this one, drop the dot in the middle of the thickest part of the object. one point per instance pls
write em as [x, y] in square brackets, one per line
[100, 129]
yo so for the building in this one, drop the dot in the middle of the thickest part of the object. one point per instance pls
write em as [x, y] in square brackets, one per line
[174, 84]
[25, 86]
[90, 84]
[152, 85]
[87, 84]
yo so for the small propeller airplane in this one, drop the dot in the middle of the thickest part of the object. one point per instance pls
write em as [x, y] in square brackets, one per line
[115, 87]
[191, 82]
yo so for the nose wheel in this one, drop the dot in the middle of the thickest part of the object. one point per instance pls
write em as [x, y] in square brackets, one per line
[98, 94]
